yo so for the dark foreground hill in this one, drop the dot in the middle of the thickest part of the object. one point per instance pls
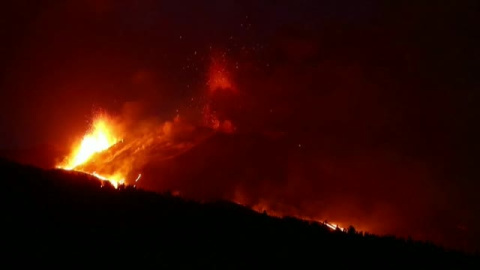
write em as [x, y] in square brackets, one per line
[68, 218]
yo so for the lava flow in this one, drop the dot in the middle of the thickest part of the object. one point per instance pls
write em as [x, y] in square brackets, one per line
[104, 154]
[264, 208]
[101, 137]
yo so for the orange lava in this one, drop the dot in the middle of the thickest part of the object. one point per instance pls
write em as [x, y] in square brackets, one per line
[99, 138]
[219, 77]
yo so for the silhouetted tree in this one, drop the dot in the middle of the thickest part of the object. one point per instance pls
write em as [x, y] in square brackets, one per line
[351, 230]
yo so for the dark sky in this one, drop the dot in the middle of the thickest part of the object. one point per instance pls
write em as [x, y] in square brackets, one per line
[375, 92]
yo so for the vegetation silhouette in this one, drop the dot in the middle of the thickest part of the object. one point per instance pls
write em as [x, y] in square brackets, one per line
[59, 216]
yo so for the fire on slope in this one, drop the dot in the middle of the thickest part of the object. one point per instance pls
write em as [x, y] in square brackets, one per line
[118, 150]
[261, 208]
[104, 153]
[114, 152]
[101, 137]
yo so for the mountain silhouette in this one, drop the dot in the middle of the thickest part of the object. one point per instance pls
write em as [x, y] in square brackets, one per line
[72, 218]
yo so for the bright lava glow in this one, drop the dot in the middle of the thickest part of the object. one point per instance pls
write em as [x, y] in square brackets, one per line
[333, 226]
[115, 180]
[98, 139]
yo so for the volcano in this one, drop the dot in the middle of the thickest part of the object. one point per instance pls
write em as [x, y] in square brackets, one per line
[339, 113]
[198, 162]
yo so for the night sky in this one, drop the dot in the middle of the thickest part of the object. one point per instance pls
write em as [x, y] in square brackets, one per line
[363, 111]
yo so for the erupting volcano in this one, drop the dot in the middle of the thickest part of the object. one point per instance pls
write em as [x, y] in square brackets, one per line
[325, 110]
[104, 153]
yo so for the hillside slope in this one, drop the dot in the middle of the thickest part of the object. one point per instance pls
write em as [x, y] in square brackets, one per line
[60, 216]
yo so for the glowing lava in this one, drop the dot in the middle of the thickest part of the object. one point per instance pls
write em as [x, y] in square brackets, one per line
[264, 208]
[219, 75]
[115, 179]
[100, 138]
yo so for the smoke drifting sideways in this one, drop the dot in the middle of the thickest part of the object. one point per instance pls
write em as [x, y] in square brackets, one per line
[330, 117]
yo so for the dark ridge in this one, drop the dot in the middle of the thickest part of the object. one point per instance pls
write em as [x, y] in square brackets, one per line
[67, 218]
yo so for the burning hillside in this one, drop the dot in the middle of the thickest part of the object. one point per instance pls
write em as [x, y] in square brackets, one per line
[261, 150]
[117, 156]
[115, 150]
[328, 110]
[112, 154]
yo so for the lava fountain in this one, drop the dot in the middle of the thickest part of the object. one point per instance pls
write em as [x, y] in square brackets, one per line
[104, 154]
[99, 138]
